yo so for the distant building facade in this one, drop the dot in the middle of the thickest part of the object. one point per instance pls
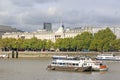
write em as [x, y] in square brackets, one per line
[48, 27]
[60, 33]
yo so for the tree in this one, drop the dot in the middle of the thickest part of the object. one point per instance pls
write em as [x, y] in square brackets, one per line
[83, 40]
[7, 43]
[39, 44]
[49, 44]
[67, 43]
[74, 44]
[115, 45]
[58, 43]
[102, 40]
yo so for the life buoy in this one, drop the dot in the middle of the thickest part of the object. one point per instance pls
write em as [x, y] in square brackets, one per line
[103, 66]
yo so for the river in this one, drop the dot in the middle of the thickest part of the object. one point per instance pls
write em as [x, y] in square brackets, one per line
[35, 69]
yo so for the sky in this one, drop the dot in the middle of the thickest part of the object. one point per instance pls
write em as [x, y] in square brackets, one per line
[29, 15]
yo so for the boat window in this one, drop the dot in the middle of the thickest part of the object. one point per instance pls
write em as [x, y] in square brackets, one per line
[60, 63]
[69, 63]
[82, 58]
[113, 54]
[88, 58]
[63, 63]
[85, 64]
[97, 64]
[73, 64]
[76, 64]
[77, 58]
[108, 57]
[100, 64]
[53, 63]
[100, 57]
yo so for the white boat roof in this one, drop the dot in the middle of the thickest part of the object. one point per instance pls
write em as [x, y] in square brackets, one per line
[105, 54]
[67, 61]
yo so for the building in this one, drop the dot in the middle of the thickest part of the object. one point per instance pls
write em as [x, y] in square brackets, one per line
[60, 33]
[47, 27]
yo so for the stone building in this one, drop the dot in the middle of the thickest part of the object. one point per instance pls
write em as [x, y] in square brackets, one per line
[60, 33]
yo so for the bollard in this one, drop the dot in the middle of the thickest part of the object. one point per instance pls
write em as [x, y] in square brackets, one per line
[12, 53]
[16, 53]
[8, 55]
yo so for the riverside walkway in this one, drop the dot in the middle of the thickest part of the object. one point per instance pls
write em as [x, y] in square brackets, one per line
[48, 54]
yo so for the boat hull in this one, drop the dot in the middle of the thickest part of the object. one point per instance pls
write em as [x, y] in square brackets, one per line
[109, 59]
[99, 69]
[69, 68]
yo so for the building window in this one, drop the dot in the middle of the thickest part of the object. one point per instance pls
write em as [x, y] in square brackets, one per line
[22, 37]
[57, 36]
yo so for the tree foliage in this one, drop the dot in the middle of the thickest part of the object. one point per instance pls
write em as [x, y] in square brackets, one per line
[84, 40]
[103, 40]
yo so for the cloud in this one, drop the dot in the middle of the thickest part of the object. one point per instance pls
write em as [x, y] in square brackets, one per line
[52, 10]
[26, 14]
[28, 3]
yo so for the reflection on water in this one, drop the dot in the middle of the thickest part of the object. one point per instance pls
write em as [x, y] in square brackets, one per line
[35, 69]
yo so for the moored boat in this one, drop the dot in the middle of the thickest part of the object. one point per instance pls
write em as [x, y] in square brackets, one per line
[76, 64]
[63, 57]
[69, 65]
[3, 55]
[99, 66]
[111, 57]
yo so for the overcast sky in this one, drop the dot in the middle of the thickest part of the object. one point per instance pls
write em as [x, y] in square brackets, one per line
[30, 15]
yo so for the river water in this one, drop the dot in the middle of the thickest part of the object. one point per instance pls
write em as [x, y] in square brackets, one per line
[35, 69]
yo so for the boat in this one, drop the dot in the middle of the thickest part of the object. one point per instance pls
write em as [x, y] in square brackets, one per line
[98, 66]
[111, 57]
[68, 64]
[76, 64]
[3, 56]
[62, 57]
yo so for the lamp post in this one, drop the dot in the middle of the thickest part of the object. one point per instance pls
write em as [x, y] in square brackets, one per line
[12, 52]
[17, 50]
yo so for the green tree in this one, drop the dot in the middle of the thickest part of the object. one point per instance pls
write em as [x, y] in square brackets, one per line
[115, 45]
[67, 43]
[84, 40]
[74, 44]
[49, 44]
[58, 43]
[39, 44]
[7, 43]
[102, 40]
[30, 44]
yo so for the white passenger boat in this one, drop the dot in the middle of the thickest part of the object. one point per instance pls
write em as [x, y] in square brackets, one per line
[111, 57]
[63, 57]
[3, 55]
[76, 64]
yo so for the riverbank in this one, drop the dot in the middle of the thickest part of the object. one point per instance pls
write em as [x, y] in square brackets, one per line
[33, 54]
